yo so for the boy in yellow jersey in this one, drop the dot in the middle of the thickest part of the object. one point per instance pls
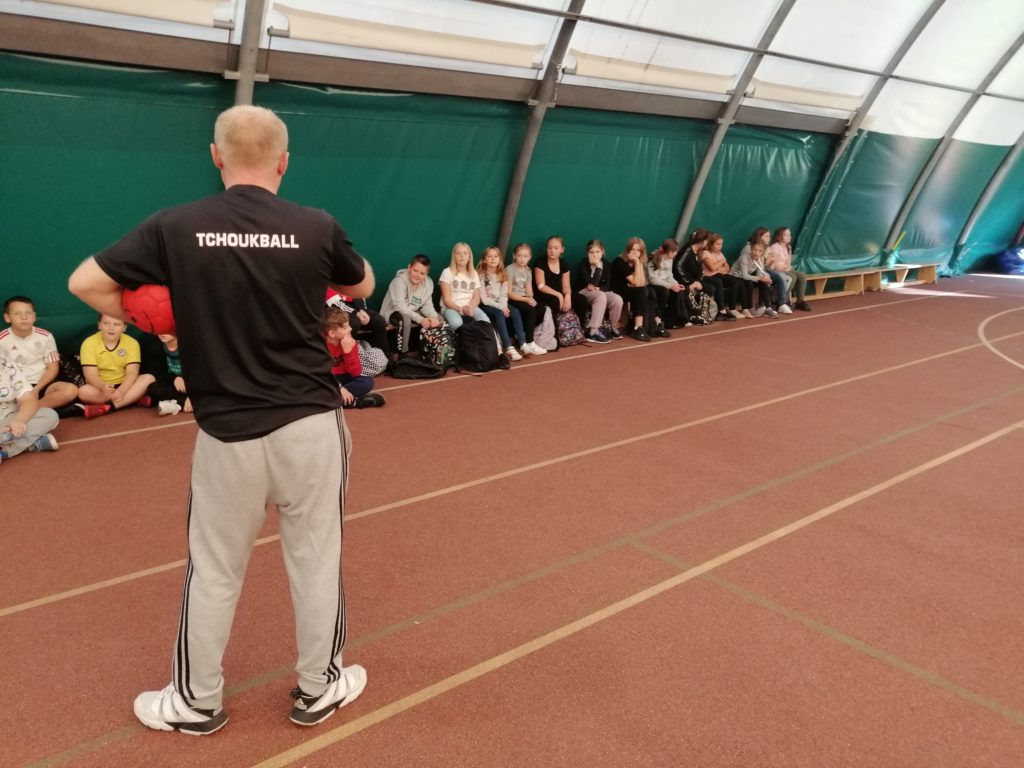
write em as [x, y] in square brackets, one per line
[111, 363]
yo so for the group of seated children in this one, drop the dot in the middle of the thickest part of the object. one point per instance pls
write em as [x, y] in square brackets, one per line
[642, 294]
[638, 293]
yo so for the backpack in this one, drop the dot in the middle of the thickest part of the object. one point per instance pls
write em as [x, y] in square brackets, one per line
[703, 309]
[415, 368]
[478, 351]
[569, 331]
[437, 345]
[373, 360]
[544, 334]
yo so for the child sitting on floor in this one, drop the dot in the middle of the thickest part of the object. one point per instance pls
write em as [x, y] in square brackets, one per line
[111, 361]
[24, 426]
[347, 369]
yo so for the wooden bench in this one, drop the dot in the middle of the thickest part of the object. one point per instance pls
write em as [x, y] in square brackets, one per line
[856, 281]
[926, 275]
[853, 283]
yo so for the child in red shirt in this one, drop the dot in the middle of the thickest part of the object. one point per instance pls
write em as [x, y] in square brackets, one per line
[347, 369]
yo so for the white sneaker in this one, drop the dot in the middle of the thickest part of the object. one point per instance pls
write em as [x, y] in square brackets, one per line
[536, 349]
[168, 407]
[769, 312]
[759, 312]
[310, 710]
[513, 355]
[737, 314]
[524, 350]
[746, 314]
[167, 710]
[785, 310]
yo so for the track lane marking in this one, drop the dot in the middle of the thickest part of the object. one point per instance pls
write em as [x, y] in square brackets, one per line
[77, 591]
[476, 671]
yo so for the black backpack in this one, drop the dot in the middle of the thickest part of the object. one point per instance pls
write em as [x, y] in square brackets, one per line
[477, 347]
[415, 368]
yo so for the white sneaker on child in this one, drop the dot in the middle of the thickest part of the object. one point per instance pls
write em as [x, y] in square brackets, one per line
[513, 355]
[536, 349]
[525, 350]
[759, 312]
[784, 309]
[168, 408]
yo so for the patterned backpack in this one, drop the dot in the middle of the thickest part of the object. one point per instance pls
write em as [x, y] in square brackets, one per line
[544, 335]
[703, 309]
[569, 331]
[437, 345]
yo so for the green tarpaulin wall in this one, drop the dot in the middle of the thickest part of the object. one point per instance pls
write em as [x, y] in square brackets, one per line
[90, 150]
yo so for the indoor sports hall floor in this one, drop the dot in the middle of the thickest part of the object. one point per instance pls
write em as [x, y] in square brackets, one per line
[764, 543]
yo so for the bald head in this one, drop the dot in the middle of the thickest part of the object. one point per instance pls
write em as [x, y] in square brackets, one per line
[250, 138]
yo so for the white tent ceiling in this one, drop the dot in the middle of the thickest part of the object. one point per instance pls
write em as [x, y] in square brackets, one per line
[825, 58]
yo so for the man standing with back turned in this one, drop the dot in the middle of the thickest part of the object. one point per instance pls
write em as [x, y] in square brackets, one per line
[247, 272]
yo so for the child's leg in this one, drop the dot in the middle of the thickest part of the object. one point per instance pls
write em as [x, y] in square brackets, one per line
[598, 301]
[517, 323]
[43, 422]
[87, 393]
[613, 307]
[356, 385]
[136, 390]
[497, 319]
[58, 393]
[453, 318]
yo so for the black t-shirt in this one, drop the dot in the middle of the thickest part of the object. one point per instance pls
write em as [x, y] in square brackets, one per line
[552, 280]
[247, 272]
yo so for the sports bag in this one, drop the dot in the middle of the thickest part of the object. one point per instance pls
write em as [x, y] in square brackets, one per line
[372, 359]
[415, 368]
[437, 345]
[568, 330]
[703, 309]
[478, 351]
[544, 334]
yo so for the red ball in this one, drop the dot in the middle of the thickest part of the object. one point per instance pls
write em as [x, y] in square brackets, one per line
[148, 308]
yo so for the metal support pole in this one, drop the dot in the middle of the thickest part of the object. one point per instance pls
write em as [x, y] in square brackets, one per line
[725, 119]
[248, 49]
[541, 101]
[986, 197]
[940, 150]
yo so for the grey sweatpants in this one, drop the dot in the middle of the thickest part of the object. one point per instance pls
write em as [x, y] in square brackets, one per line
[303, 469]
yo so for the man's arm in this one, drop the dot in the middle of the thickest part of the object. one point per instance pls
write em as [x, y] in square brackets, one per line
[362, 289]
[96, 288]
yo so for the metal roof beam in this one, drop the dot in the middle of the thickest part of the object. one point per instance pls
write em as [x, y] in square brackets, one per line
[726, 118]
[940, 150]
[541, 100]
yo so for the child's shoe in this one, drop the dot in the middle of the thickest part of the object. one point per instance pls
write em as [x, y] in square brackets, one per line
[597, 337]
[746, 314]
[785, 309]
[537, 349]
[759, 312]
[524, 350]
[803, 306]
[616, 334]
[372, 400]
[94, 410]
[513, 354]
[143, 402]
[769, 312]
[168, 408]
[44, 443]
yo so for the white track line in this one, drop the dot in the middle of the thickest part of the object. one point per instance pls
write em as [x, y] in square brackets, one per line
[504, 659]
[507, 473]
[985, 340]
